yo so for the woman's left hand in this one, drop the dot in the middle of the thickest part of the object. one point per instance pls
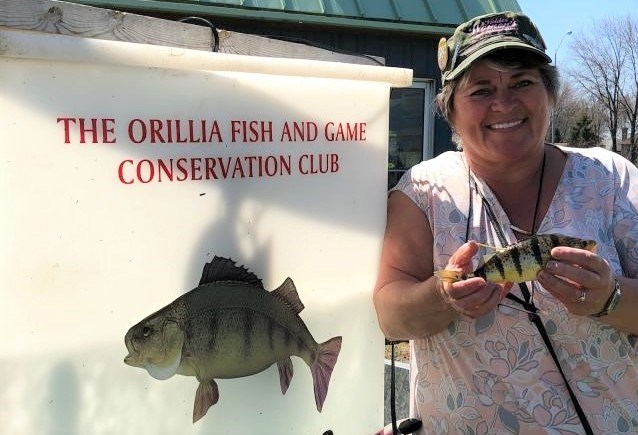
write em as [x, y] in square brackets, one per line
[580, 279]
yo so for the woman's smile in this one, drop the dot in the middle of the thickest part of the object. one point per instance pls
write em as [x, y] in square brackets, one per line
[505, 125]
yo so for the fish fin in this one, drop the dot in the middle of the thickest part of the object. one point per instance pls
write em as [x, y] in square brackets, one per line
[206, 396]
[285, 374]
[225, 269]
[449, 275]
[287, 293]
[496, 248]
[322, 368]
[486, 258]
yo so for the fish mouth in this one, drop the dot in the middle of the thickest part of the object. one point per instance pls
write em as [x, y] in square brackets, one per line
[132, 358]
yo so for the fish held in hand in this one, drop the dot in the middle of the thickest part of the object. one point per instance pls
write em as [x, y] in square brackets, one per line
[228, 327]
[519, 262]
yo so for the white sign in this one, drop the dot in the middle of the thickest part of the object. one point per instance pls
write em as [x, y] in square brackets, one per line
[133, 176]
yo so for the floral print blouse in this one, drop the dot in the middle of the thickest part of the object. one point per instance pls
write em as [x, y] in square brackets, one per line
[494, 375]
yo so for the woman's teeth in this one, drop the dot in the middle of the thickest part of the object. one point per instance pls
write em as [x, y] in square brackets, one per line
[506, 124]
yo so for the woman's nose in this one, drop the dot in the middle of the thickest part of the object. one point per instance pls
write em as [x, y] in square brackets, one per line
[504, 101]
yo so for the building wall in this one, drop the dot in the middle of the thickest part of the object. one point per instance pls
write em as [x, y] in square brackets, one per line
[404, 51]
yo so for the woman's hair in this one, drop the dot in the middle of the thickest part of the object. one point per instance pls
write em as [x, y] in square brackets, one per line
[501, 60]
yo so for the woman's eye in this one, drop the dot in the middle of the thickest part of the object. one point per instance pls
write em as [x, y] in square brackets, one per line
[523, 84]
[479, 92]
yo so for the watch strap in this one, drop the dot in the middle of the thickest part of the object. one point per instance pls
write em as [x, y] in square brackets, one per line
[612, 302]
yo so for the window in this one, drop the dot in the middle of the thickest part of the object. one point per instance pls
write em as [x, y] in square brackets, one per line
[411, 127]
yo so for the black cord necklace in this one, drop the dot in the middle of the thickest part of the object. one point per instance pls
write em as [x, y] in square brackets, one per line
[538, 199]
[539, 193]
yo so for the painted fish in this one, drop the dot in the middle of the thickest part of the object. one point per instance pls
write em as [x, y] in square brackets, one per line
[228, 327]
[519, 262]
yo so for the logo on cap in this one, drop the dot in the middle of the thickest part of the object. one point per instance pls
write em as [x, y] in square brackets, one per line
[491, 26]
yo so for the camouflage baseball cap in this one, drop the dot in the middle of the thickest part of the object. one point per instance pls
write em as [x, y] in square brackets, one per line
[484, 34]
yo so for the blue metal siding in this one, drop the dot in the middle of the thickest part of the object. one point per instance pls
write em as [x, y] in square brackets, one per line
[414, 16]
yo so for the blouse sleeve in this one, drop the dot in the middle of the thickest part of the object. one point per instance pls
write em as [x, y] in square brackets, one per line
[625, 215]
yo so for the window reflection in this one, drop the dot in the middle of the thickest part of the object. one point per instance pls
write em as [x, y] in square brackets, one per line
[409, 135]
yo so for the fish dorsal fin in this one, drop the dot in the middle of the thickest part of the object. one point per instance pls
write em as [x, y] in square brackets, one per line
[287, 293]
[225, 269]
[486, 258]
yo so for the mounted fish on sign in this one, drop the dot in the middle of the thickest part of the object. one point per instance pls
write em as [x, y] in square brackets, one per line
[229, 327]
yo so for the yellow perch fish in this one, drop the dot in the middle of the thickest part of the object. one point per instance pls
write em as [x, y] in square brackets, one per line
[229, 327]
[519, 262]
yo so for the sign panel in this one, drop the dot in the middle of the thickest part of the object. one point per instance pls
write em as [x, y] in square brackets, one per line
[187, 250]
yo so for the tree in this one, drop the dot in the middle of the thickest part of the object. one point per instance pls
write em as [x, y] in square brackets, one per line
[563, 111]
[570, 107]
[629, 96]
[603, 61]
[582, 134]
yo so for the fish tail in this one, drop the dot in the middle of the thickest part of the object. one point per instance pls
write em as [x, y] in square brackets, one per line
[449, 275]
[322, 368]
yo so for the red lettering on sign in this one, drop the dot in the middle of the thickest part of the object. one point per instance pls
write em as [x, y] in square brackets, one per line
[100, 130]
[311, 164]
[345, 132]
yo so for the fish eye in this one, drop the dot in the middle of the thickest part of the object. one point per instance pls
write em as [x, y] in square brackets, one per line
[146, 331]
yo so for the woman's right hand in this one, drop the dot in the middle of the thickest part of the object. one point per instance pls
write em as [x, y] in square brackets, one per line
[473, 297]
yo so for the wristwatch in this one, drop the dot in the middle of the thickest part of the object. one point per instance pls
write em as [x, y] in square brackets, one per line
[612, 302]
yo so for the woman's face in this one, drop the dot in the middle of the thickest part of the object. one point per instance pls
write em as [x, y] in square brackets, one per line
[501, 116]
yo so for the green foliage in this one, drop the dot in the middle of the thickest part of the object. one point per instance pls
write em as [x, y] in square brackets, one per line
[582, 134]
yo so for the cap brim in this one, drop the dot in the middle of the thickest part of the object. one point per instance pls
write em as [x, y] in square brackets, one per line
[490, 48]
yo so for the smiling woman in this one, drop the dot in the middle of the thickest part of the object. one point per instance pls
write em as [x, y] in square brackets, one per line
[506, 62]
[483, 360]
[505, 112]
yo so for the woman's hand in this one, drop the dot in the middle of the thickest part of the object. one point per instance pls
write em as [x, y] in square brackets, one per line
[472, 297]
[580, 279]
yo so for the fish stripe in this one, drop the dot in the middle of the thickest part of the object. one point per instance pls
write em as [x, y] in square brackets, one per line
[287, 337]
[248, 327]
[480, 272]
[271, 333]
[213, 329]
[499, 266]
[516, 259]
[536, 251]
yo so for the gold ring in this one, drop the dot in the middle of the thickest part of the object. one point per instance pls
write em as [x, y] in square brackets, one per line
[582, 297]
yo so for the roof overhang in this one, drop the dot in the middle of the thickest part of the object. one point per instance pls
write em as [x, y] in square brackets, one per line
[392, 19]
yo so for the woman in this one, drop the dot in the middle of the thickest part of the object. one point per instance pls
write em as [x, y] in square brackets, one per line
[556, 355]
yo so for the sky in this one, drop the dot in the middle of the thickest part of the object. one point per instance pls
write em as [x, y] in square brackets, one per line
[554, 18]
